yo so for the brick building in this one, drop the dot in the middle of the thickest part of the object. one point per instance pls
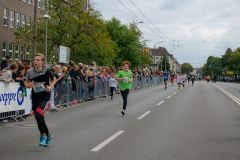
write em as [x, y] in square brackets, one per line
[14, 14]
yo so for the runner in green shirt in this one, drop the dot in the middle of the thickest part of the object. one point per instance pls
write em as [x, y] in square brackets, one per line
[125, 77]
[189, 77]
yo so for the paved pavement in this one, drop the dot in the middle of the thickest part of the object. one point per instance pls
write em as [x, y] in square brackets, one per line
[200, 122]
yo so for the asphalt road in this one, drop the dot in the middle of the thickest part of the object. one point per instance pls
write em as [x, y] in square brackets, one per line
[196, 123]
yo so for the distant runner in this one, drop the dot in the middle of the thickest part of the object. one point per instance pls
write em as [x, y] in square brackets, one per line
[172, 78]
[165, 74]
[179, 80]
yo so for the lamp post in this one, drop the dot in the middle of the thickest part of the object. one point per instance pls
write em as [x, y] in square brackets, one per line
[155, 53]
[47, 17]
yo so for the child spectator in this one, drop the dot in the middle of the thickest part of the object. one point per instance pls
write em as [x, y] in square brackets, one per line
[7, 73]
[112, 84]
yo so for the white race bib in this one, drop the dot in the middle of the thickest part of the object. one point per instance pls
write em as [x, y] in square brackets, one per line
[39, 87]
[125, 80]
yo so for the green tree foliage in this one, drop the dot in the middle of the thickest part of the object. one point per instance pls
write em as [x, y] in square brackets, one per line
[85, 32]
[186, 68]
[128, 39]
[164, 58]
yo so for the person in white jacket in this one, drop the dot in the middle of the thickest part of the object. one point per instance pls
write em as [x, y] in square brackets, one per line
[7, 73]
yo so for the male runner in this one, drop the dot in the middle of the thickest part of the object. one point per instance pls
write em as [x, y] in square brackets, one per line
[193, 78]
[183, 79]
[125, 77]
[165, 74]
[38, 79]
[189, 77]
[179, 80]
[172, 78]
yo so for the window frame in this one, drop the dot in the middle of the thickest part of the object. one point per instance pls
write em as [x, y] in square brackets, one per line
[29, 1]
[39, 3]
[11, 50]
[22, 52]
[12, 16]
[16, 51]
[5, 17]
[27, 53]
[18, 24]
[4, 50]
[24, 21]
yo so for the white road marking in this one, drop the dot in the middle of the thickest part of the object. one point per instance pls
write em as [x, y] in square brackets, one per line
[174, 92]
[100, 146]
[142, 116]
[160, 103]
[228, 94]
[169, 96]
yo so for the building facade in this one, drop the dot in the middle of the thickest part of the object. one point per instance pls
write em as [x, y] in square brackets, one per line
[158, 54]
[14, 14]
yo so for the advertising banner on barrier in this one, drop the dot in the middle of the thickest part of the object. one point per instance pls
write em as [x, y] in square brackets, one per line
[11, 97]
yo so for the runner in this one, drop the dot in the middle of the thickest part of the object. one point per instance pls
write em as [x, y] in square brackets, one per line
[172, 78]
[125, 77]
[38, 79]
[165, 74]
[189, 77]
[193, 78]
[179, 80]
[112, 84]
[183, 79]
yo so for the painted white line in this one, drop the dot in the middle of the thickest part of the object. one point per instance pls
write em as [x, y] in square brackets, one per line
[160, 103]
[141, 117]
[100, 146]
[169, 96]
[174, 92]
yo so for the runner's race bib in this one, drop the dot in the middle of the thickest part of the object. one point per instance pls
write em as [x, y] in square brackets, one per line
[125, 80]
[39, 87]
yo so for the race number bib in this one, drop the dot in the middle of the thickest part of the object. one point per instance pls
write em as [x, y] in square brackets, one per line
[39, 87]
[125, 80]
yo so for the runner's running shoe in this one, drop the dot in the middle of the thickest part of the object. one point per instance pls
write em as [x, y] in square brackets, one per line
[123, 112]
[42, 140]
[48, 141]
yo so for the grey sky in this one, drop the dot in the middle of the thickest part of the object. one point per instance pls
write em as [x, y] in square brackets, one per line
[199, 27]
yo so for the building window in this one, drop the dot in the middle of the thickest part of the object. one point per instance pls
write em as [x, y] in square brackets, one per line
[156, 57]
[12, 19]
[24, 0]
[5, 17]
[33, 2]
[23, 21]
[30, 1]
[4, 49]
[27, 55]
[18, 20]
[11, 50]
[16, 51]
[29, 23]
[43, 4]
[22, 52]
[39, 3]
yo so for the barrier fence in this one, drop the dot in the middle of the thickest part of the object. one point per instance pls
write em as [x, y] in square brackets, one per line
[77, 91]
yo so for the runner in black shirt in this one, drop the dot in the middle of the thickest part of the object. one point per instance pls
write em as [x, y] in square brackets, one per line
[172, 78]
[37, 78]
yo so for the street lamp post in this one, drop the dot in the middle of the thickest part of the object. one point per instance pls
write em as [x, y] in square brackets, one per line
[47, 17]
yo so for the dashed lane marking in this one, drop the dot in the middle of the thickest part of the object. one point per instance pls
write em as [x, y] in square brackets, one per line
[142, 116]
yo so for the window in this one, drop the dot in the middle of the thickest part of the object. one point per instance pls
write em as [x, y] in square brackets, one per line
[23, 21]
[39, 3]
[16, 51]
[5, 19]
[24, 0]
[33, 2]
[22, 52]
[12, 19]
[18, 20]
[4, 49]
[156, 57]
[43, 4]
[29, 23]
[27, 55]
[30, 1]
[11, 50]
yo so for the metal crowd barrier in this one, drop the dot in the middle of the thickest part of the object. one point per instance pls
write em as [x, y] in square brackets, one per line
[67, 93]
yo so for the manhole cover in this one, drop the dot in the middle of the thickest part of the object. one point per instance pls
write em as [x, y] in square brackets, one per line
[27, 125]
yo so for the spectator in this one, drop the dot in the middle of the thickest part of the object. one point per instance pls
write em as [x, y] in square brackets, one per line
[80, 72]
[7, 73]
[72, 71]
[54, 65]
[20, 75]
[27, 67]
[11, 62]
[5, 63]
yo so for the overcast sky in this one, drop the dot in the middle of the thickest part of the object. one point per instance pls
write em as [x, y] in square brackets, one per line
[198, 28]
